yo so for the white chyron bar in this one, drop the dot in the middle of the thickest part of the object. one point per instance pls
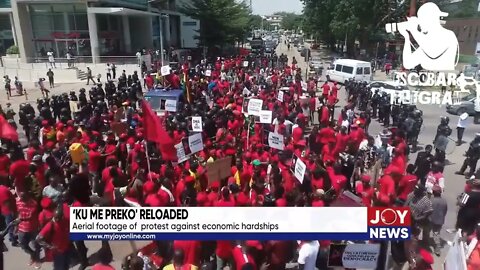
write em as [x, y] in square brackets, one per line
[217, 223]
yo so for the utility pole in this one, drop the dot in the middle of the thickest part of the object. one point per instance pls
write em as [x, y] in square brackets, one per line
[413, 8]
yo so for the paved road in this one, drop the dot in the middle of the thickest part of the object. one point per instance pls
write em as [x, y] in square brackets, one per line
[15, 259]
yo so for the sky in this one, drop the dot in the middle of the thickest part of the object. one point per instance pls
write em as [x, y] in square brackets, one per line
[268, 7]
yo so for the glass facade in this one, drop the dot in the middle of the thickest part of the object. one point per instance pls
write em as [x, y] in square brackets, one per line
[6, 34]
[5, 4]
[110, 34]
[61, 28]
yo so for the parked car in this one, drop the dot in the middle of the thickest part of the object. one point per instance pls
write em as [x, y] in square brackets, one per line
[315, 63]
[304, 52]
[345, 69]
[466, 104]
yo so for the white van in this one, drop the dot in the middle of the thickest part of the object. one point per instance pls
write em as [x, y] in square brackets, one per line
[345, 69]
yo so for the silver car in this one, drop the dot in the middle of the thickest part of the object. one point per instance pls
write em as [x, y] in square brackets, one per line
[466, 104]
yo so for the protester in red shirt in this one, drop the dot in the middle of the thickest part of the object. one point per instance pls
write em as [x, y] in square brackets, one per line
[407, 183]
[18, 171]
[55, 236]
[27, 227]
[8, 208]
[223, 253]
[242, 259]
[191, 249]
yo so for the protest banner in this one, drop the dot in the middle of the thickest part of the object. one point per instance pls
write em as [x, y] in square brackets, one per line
[357, 256]
[298, 168]
[265, 117]
[246, 91]
[280, 96]
[245, 63]
[170, 105]
[219, 169]
[456, 258]
[208, 73]
[254, 106]
[275, 141]
[181, 155]
[197, 125]
[165, 70]
[195, 143]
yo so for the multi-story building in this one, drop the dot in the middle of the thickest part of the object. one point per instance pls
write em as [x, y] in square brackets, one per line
[275, 21]
[93, 29]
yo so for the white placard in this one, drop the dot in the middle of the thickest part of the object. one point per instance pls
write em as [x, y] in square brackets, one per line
[170, 105]
[197, 124]
[265, 117]
[246, 91]
[300, 169]
[165, 70]
[280, 95]
[361, 256]
[456, 258]
[181, 153]
[208, 73]
[245, 63]
[254, 106]
[195, 142]
[275, 141]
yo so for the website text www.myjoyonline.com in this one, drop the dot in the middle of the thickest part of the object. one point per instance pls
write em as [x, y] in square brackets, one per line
[120, 236]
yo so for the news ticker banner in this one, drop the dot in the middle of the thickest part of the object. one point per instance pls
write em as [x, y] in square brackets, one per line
[234, 223]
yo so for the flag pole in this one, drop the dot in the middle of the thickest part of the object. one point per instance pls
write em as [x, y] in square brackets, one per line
[148, 160]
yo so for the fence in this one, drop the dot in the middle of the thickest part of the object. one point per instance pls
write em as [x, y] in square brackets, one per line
[64, 63]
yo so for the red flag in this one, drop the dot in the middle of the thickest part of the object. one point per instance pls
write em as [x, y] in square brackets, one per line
[7, 131]
[155, 132]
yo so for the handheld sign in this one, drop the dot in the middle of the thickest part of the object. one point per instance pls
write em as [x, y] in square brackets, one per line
[265, 117]
[170, 105]
[197, 124]
[254, 106]
[208, 73]
[275, 141]
[245, 63]
[195, 143]
[181, 153]
[165, 70]
[246, 91]
[280, 96]
[299, 168]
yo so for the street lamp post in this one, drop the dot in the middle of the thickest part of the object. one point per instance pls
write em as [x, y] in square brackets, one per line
[161, 37]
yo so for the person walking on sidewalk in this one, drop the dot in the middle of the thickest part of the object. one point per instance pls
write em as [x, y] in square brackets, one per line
[109, 72]
[50, 78]
[90, 76]
[114, 71]
[51, 58]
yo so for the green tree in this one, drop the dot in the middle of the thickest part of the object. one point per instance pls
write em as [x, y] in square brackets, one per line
[222, 22]
[255, 22]
[318, 15]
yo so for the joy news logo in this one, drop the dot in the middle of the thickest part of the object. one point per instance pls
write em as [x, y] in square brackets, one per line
[435, 49]
[389, 223]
